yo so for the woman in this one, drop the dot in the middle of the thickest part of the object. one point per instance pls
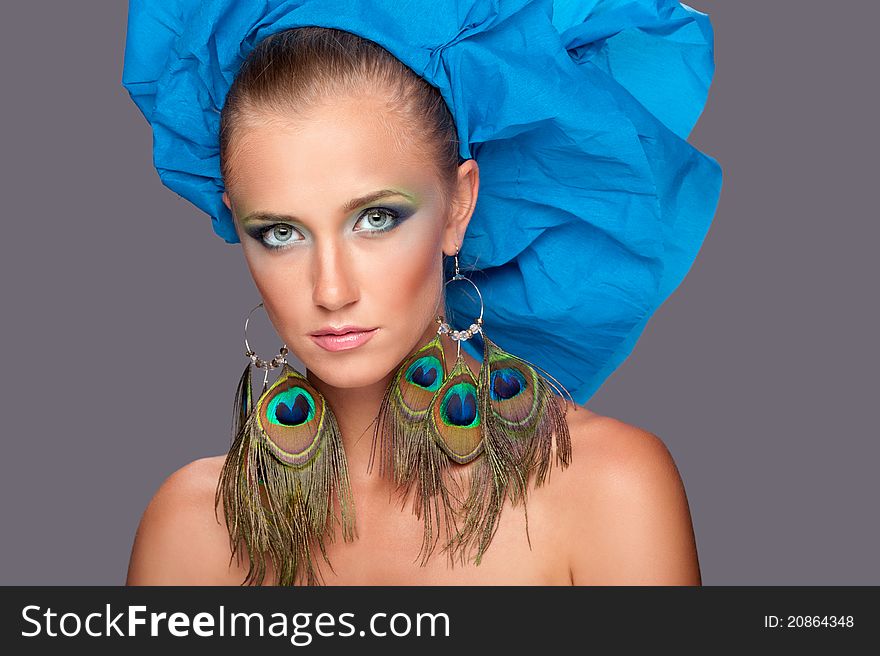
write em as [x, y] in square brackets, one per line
[342, 173]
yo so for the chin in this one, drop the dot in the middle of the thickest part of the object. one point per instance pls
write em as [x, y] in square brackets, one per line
[351, 369]
[349, 376]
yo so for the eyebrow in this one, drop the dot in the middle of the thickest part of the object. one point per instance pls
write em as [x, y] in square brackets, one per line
[349, 206]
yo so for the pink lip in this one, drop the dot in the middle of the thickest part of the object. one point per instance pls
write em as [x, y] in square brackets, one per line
[344, 342]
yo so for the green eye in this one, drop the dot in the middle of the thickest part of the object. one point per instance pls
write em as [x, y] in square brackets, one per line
[281, 233]
[378, 219]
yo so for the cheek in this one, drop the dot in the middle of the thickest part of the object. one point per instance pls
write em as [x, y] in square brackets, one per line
[276, 281]
[407, 278]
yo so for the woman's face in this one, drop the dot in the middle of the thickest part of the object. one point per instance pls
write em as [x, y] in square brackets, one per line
[341, 225]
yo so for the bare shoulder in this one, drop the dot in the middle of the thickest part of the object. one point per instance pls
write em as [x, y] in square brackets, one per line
[625, 506]
[180, 541]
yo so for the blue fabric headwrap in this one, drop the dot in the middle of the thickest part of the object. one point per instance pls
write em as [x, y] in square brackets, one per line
[592, 204]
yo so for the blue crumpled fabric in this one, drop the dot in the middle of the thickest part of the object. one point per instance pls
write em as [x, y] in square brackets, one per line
[592, 204]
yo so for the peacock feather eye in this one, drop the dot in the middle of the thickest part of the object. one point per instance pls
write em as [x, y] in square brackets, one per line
[507, 383]
[422, 376]
[459, 406]
[291, 415]
[456, 420]
[512, 398]
[426, 372]
[291, 407]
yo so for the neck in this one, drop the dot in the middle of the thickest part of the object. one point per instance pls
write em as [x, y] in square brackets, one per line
[355, 410]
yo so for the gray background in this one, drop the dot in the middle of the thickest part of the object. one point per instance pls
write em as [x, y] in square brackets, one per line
[123, 313]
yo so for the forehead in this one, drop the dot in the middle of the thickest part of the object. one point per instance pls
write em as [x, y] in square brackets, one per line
[336, 151]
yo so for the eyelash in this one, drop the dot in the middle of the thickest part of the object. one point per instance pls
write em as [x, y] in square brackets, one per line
[395, 216]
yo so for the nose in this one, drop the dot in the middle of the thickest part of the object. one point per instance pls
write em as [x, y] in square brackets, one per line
[334, 285]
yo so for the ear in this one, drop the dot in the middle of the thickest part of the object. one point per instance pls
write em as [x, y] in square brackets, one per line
[226, 201]
[463, 202]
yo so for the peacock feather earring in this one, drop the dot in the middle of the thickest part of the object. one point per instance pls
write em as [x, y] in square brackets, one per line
[284, 468]
[505, 419]
[521, 417]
